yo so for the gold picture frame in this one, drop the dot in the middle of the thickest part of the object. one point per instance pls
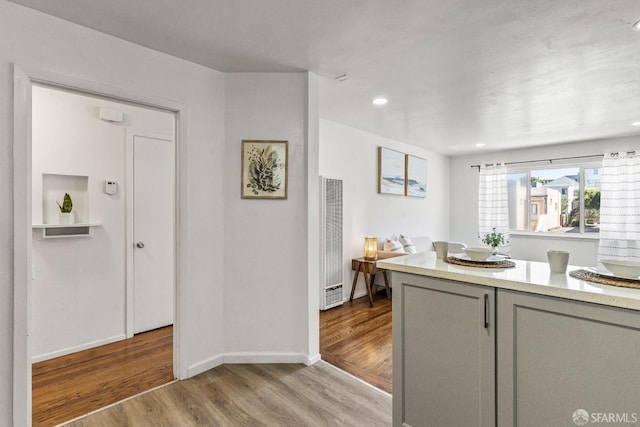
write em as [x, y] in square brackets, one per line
[264, 169]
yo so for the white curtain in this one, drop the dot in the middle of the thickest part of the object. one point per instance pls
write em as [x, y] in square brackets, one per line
[620, 207]
[493, 202]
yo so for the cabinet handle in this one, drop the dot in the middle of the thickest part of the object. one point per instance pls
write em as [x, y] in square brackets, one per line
[486, 310]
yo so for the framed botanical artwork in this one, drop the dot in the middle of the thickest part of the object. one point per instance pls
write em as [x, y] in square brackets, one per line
[416, 178]
[391, 172]
[264, 169]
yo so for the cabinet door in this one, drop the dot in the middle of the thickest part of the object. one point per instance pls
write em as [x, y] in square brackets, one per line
[443, 353]
[556, 357]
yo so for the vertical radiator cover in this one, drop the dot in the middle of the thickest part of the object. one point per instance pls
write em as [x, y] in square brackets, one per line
[331, 266]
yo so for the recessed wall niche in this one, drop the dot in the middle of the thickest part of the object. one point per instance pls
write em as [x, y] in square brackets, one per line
[53, 188]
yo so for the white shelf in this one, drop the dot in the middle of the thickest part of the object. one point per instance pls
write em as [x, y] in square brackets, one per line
[57, 231]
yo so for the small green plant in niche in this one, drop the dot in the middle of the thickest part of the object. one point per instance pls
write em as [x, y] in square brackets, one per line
[67, 204]
[494, 239]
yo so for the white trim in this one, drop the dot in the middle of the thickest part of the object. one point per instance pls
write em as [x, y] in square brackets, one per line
[85, 346]
[312, 182]
[180, 367]
[205, 365]
[312, 360]
[24, 78]
[581, 166]
[128, 282]
[264, 357]
[75, 84]
[22, 235]
[246, 358]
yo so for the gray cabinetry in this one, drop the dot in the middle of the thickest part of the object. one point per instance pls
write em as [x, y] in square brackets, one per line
[556, 359]
[443, 353]
[558, 356]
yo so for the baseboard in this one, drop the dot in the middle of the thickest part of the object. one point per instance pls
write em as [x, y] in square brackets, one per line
[205, 365]
[69, 350]
[265, 357]
[250, 357]
[358, 294]
[362, 293]
[313, 359]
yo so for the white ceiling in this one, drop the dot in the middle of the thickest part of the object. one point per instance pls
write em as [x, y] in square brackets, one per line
[508, 73]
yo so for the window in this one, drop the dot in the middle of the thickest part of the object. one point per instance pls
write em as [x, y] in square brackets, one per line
[559, 200]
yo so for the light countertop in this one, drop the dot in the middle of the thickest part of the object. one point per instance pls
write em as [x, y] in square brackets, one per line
[528, 276]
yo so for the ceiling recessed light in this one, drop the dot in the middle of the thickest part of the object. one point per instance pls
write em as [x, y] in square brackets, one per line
[635, 124]
[342, 77]
[636, 26]
[380, 101]
[480, 144]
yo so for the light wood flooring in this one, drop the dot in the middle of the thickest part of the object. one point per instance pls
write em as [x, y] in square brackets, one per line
[253, 395]
[357, 338]
[353, 337]
[70, 386]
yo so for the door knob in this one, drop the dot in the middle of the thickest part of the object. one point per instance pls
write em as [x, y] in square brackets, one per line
[140, 245]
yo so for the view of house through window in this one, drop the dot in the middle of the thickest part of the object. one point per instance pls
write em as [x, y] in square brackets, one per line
[558, 200]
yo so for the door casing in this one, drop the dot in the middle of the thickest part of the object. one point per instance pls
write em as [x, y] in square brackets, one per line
[23, 80]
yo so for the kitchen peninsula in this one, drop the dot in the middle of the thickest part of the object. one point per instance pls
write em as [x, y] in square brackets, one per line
[513, 346]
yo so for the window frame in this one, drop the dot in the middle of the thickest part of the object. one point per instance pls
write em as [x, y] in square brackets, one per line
[526, 170]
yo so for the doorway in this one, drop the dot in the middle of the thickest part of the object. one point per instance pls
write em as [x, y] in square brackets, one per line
[24, 273]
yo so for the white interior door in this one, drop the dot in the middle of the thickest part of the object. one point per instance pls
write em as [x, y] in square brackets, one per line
[151, 201]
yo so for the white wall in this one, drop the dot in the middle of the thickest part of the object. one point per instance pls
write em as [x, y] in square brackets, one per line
[265, 244]
[80, 278]
[464, 206]
[44, 42]
[352, 155]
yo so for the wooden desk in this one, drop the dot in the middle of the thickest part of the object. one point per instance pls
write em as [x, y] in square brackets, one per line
[369, 270]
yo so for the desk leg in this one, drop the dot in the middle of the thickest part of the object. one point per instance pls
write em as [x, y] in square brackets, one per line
[386, 284]
[355, 282]
[368, 285]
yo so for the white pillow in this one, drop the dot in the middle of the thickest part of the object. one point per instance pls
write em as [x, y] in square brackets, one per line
[407, 244]
[386, 246]
[393, 245]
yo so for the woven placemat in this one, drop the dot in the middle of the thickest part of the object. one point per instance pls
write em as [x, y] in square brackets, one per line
[480, 264]
[603, 279]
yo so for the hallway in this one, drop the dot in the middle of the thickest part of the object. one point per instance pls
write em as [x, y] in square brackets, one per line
[69, 386]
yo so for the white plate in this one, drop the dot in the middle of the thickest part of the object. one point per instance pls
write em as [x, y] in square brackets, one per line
[605, 272]
[465, 257]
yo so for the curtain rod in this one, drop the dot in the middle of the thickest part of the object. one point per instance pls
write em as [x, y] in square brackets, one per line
[543, 160]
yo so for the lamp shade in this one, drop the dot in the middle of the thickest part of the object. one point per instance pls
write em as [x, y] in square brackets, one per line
[371, 248]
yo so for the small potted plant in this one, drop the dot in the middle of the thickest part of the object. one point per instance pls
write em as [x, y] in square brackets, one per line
[494, 239]
[66, 214]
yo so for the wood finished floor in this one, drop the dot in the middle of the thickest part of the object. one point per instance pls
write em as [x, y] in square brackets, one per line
[70, 386]
[253, 395]
[357, 338]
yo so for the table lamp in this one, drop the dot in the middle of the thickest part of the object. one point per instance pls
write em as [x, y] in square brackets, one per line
[370, 248]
